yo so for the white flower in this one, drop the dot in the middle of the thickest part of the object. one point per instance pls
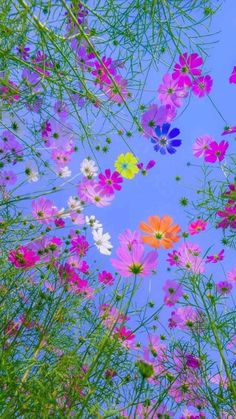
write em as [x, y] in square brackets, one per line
[13, 123]
[102, 241]
[32, 172]
[63, 213]
[64, 172]
[74, 203]
[93, 222]
[89, 168]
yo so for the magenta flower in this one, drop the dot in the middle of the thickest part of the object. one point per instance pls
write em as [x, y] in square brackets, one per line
[110, 182]
[170, 93]
[229, 130]
[85, 59]
[188, 65]
[173, 292]
[79, 245]
[134, 261]
[173, 258]
[232, 78]
[216, 151]
[201, 144]
[224, 287]
[23, 257]
[117, 92]
[216, 258]
[197, 226]
[43, 210]
[156, 116]
[192, 361]
[106, 278]
[149, 166]
[202, 85]
[229, 217]
[125, 335]
[111, 316]
[103, 71]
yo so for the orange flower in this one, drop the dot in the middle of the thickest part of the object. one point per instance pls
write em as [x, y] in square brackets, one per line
[161, 232]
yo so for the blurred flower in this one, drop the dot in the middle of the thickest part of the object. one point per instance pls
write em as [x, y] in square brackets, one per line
[224, 287]
[106, 278]
[23, 257]
[232, 78]
[201, 144]
[173, 292]
[197, 226]
[215, 258]
[156, 116]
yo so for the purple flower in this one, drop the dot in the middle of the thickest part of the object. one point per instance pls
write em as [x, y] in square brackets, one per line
[156, 116]
[224, 287]
[173, 292]
[164, 140]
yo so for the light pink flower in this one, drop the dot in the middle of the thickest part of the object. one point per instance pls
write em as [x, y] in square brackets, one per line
[173, 292]
[134, 261]
[43, 210]
[117, 92]
[201, 144]
[170, 93]
[231, 276]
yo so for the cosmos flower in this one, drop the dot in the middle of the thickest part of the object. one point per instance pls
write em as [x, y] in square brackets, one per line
[102, 241]
[126, 165]
[43, 210]
[224, 287]
[170, 93]
[110, 182]
[164, 140]
[89, 168]
[215, 258]
[173, 292]
[106, 278]
[201, 144]
[160, 231]
[117, 91]
[156, 116]
[188, 65]
[23, 257]
[232, 78]
[202, 85]
[216, 151]
[228, 215]
[134, 261]
[197, 226]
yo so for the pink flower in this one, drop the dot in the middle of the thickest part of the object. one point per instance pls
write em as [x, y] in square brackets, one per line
[197, 226]
[92, 192]
[232, 78]
[125, 335]
[170, 93]
[129, 238]
[23, 257]
[188, 65]
[216, 258]
[189, 258]
[224, 287]
[173, 258]
[202, 85]
[173, 292]
[201, 144]
[110, 182]
[117, 91]
[79, 245]
[156, 116]
[47, 248]
[186, 318]
[229, 217]
[111, 316]
[231, 276]
[43, 210]
[103, 71]
[106, 278]
[216, 151]
[192, 361]
[134, 262]
[229, 130]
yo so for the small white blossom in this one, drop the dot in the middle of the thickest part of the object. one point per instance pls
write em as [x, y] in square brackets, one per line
[32, 172]
[102, 241]
[93, 222]
[74, 203]
[64, 172]
[89, 168]
[13, 123]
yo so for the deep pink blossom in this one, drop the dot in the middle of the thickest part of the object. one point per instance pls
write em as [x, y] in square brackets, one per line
[216, 258]
[224, 287]
[188, 65]
[229, 130]
[216, 151]
[23, 257]
[232, 78]
[110, 182]
[202, 85]
[79, 245]
[144, 169]
[103, 71]
[126, 336]
[192, 361]
[197, 226]
[106, 278]
[228, 215]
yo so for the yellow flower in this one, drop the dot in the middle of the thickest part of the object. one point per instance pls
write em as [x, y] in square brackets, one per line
[126, 165]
